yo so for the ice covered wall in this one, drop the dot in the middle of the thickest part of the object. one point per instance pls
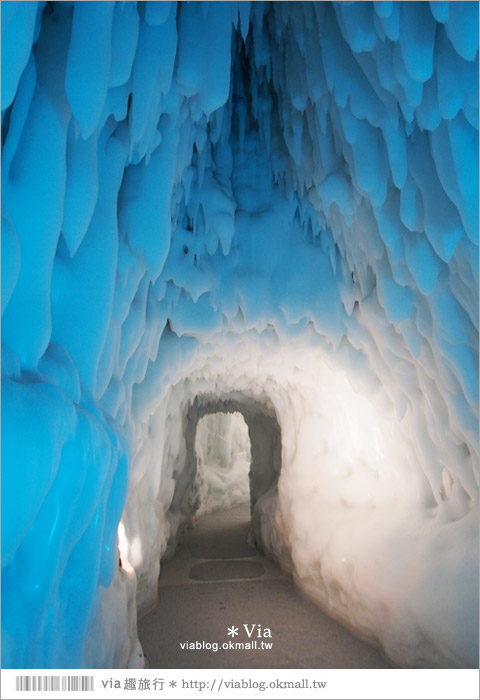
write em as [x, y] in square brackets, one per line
[273, 199]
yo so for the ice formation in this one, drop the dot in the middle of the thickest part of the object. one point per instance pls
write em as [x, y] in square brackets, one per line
[268, 207]
[222, 448]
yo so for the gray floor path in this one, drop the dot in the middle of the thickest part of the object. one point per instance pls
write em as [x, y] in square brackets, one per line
[216, 581]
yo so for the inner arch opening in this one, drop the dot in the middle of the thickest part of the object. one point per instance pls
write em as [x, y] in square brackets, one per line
[265, 440]
[222, 447]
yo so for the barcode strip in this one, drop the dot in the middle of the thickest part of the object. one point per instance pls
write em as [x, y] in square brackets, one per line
[52, 683]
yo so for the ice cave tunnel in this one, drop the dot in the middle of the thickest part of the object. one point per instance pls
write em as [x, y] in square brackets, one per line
[261, 207]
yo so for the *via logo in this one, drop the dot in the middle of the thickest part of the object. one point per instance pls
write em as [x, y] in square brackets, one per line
[250, 630]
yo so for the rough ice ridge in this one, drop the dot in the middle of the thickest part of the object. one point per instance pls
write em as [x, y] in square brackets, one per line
[268, 203]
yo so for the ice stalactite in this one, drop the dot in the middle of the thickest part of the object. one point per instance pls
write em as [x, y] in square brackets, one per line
[269, 200]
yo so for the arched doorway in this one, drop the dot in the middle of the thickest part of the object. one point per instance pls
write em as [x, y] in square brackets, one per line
[265, 465]
[222, 447]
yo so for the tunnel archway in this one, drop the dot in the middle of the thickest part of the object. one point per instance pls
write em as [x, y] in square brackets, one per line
[266, 458]
[222, 446]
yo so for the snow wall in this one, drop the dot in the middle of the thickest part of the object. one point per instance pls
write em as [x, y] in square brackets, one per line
[275, 202]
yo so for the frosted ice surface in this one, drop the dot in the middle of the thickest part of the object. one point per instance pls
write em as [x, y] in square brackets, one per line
[270, 203]
[18, 27]
[87, 74]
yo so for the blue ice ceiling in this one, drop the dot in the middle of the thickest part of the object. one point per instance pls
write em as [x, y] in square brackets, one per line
[201, 198]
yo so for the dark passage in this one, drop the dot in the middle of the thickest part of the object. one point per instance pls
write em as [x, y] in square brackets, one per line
[216, 582]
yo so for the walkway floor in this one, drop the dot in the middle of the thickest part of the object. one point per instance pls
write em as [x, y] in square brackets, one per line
[217, 581]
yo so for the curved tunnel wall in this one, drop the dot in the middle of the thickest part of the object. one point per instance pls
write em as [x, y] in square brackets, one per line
[271, 198]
